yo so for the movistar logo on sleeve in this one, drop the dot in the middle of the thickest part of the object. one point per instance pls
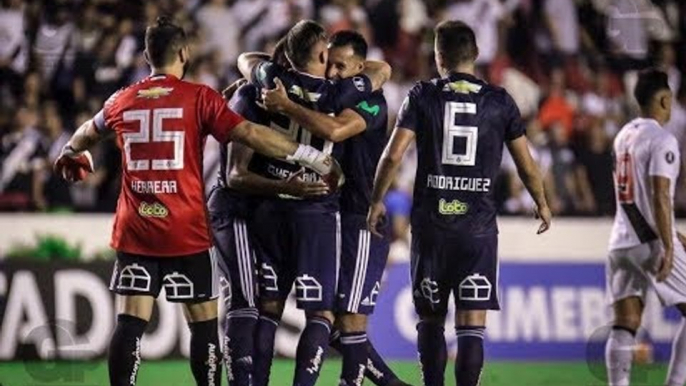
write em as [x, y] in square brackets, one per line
[373, 110]
[455, 207]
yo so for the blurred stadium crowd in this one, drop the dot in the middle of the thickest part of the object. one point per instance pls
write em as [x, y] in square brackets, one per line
[567, 63]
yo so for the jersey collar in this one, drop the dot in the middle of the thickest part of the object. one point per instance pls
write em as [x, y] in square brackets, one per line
[453, 76]
[162, 76]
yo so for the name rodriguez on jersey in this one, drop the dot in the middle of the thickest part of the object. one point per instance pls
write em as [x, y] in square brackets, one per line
[465, 184]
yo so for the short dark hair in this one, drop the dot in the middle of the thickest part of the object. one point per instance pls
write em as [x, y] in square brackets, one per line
[300, 41]
[279, 55]
[455, 42]
[163, 40]
[350, 38]
[650, 82]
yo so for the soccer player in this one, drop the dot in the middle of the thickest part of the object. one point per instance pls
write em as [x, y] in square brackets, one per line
[459, 123]
[363, 258]
[300, 239]
[231, 207]
[160, 231]
[645, 248]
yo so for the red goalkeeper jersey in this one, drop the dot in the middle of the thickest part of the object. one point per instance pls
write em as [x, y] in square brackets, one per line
[161, 124]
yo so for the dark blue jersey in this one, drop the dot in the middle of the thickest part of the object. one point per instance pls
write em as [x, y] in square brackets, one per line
[243, 102]
[362, 153]
[314, 93]
[461, 124]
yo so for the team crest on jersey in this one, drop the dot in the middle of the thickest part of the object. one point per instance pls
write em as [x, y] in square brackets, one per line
[670, 157]
[452, 208]
[153, 210]
[462, 87]
[359, 83]
[154, 92]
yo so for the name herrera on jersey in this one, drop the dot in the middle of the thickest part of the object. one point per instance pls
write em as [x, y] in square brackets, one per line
[154, 187]
[458, 183]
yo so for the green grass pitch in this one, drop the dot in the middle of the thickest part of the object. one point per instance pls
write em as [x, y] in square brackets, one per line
[177, 373]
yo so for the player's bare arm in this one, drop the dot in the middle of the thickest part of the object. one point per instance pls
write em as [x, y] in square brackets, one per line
[272, 144]
[662, 207]
[378, 72]
[332, 128]
[241, 179]
[531, 178]
[248, 60]
[385, 174]
[75, 157]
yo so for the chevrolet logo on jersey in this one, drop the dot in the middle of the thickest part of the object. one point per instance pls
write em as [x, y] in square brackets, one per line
[153, 210]
[154, 92]
[453, 208]
[462, 87]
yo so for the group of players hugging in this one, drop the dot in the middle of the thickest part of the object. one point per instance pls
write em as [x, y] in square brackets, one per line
[306, 162]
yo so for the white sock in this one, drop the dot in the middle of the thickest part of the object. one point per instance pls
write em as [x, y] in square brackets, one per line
[618, 357]
[676, 376]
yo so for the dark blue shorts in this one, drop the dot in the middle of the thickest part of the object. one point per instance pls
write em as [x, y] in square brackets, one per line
[445, 263]
[298, 244]
[235, 251]
[363, 259]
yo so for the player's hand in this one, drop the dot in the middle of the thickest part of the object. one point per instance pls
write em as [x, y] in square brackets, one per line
[664, 265]
[276, 99]
[228, 92]
[543, 213]
[335, 177]
[323, 164]
[377, 212]
[297, 187]
[73, 166]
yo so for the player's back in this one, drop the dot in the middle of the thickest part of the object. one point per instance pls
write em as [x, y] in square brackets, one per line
[161, 124]
[461, 124]
[642, 149]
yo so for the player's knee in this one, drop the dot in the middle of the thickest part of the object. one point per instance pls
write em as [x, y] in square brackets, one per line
[351, 322]
[274, 308]
[137, 306]
[470, 318]
[432, 318]
[628, 322]
[200, 312]
[328, 315]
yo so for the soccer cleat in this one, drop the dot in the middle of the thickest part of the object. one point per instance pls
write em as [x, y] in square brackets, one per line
[73, 166]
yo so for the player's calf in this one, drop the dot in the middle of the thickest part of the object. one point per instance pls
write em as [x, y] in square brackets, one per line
[312, 347]
[676, 376]
[238, 345]
[470, 346]
[206, 354]
[433, 352]
[265, 331]
[124, 356]
[353, 348]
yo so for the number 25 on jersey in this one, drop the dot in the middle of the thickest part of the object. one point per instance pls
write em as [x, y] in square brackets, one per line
[143, 137]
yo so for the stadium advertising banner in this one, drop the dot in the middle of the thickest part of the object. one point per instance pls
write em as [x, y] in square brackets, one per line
[550, 311]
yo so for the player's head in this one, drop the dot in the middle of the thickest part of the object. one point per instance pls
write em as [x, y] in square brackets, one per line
[653, 94]
[347, 53]
[454, 46]
[306, 47]
[166, 45]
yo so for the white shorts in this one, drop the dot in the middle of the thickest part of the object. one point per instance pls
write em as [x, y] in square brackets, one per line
[629, 273]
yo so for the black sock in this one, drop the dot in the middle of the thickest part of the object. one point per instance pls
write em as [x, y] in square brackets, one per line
[354, 351]
[206, 355]
[377, 370]
[238, 345]
[263, 353]
[433, 353]
[470, 355]
[124, 357]
[311, 351]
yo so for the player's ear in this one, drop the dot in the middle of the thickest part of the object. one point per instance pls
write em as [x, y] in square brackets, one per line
[147, 58]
